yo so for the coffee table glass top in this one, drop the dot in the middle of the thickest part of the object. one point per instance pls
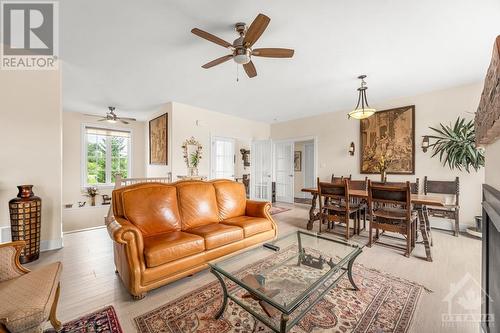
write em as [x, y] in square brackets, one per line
[303, 264]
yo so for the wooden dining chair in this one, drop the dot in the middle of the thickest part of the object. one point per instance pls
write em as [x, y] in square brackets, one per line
[339, 179]
[358, 202]
[335, 206]
[390, 210]
[449, 211]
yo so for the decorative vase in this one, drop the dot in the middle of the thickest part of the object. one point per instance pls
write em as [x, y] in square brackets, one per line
[192, 171]
[92, 200]
[25, 220]
[383, 176]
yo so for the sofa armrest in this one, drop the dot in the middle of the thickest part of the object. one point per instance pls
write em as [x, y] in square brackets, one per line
[123, 232]
[258, 208]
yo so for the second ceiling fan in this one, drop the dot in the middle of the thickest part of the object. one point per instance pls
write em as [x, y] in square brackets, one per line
[241, 48]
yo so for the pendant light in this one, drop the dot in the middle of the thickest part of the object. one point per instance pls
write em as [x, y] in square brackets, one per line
[362, 109]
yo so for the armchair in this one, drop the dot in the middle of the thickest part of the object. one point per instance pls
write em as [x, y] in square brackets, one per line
[28, 298]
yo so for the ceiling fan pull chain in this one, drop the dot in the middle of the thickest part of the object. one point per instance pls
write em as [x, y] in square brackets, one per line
[237, 73]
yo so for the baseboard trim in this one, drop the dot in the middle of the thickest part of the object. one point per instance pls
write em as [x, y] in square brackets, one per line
[45, 245]
[84, 229]
[51, 244]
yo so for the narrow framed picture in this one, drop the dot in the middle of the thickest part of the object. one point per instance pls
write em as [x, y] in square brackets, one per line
[158, 140]
[297, 160]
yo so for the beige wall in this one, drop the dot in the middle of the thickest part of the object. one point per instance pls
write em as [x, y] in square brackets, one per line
[75, 218]
[31, 153]
[335, 132]
[492, 169]
[186, 121]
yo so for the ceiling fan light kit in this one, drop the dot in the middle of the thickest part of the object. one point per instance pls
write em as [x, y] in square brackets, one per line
[362, 109]
[241, 48]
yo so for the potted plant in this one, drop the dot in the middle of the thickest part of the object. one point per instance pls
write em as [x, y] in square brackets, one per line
[456, 146]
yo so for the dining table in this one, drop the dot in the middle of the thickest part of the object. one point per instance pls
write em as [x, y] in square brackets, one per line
[420, 202]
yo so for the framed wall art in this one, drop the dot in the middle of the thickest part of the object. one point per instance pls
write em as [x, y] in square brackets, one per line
[388, 139]
[158, 140]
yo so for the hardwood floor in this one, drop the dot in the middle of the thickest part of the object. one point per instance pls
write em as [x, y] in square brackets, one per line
[89, 281]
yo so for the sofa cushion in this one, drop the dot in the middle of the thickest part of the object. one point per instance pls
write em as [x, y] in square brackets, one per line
[197, 204]
[153, 209]
[26, 301]
[250, 225]
[218, 234]
[163, 248]
[231, 198]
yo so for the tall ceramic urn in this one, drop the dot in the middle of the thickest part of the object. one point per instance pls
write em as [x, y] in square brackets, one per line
[25, 220]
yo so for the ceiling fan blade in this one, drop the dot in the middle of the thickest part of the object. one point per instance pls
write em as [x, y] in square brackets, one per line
[210, 37]
[250, 69]
[217, 61]
[256, 29]
[131, 119]
[103, 119]
[273, 53]
[92, 115]
[123, 121]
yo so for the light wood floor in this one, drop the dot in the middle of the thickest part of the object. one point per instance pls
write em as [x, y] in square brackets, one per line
[89, 281]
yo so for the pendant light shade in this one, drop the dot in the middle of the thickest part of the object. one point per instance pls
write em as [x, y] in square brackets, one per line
[362, 109]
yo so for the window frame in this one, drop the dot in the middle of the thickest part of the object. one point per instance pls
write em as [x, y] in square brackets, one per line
[83, 155]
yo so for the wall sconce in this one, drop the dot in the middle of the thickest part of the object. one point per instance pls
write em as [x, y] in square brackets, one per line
[351, 149]
[425, 143]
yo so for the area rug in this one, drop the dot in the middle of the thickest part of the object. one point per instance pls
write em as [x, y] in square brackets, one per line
[384, 303]
[276, 210]
[100, 321]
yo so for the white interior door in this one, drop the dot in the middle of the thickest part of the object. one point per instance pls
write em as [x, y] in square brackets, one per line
[261, 170]
[223, 159]
[309, 179]
[284, 171]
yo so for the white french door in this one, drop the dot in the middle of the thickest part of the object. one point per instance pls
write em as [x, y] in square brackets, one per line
[223, 158]
[284, 169]
[261, 170]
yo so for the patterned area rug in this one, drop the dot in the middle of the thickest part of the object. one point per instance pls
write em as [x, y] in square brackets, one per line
[384, 303]
[276, 210]
[100, 321]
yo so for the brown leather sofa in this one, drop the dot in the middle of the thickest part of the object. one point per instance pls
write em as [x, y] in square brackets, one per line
[164, 232]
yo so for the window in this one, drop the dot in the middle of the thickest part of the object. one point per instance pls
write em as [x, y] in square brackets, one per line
[106, 153]
[223, 158]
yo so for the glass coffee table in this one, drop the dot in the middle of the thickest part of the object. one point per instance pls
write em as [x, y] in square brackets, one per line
[279, 282]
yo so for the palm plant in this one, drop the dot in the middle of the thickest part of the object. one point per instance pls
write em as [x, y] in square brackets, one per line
[456, 145]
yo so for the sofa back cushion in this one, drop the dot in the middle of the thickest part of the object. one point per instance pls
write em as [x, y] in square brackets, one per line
[152, 208]
[197, 204]
[231, 198]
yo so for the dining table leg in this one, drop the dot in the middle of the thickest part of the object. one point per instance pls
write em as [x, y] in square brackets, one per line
[423, 231]
[313, 216]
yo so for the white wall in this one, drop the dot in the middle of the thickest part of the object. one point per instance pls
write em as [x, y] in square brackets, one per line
[186, 121]
[31, 152]
[492, 169]
[335, 132]
[75, 219]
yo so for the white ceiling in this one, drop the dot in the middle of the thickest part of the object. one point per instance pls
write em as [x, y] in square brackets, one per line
[138, 55]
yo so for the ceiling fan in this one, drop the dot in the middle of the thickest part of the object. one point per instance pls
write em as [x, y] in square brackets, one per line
[241, 49]
[111, 117]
